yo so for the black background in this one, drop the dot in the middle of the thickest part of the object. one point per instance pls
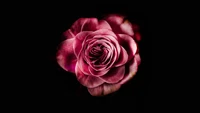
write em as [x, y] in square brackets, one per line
[47, 85]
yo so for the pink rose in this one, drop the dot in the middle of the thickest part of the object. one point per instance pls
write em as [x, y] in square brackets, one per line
[103, 54]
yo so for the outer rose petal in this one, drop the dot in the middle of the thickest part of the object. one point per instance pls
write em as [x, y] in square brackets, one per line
[92, 24]
[104, 89]
[138, 59]
[88, 24]
[114, 75]
[120, 26]
[129, 44]
[131, 70]
[88, 81]
[68, 34]
[66, 57]
[78, 25]
[104, 25]
[115, 19]
[126, 28]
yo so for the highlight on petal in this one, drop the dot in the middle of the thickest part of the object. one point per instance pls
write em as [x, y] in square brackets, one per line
[88, 81]
[131, 71]
[138, 59]
[104, 89]
[65, 55]
[114, 75]
[129, 44]
[126, 28]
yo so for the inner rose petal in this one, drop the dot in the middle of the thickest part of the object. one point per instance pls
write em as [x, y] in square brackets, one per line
[79, 39]
[96, 62]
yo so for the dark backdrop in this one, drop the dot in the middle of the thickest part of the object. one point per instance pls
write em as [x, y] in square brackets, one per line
[46, 84]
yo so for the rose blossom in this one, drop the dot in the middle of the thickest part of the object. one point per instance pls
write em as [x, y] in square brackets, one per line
[103, 54]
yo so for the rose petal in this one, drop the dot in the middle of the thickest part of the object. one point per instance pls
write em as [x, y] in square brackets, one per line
[78, 25]
[90, 25]
[77, 46]
[114, 75]
[129, 44]
[131, 70]
[120, 26]
[126, 28]
[66, 57]
[123, 58]
[68, 34]
[104, 25]
[104, 89]
[137, 36]
[138, 59]
[114, 19]
[88, 81]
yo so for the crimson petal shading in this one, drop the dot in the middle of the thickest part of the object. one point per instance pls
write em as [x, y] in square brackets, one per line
[88, 81]
[104, 89]
[114, 75]
[123, 58]
[65, 55]
[130, 71]
[129, 44]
